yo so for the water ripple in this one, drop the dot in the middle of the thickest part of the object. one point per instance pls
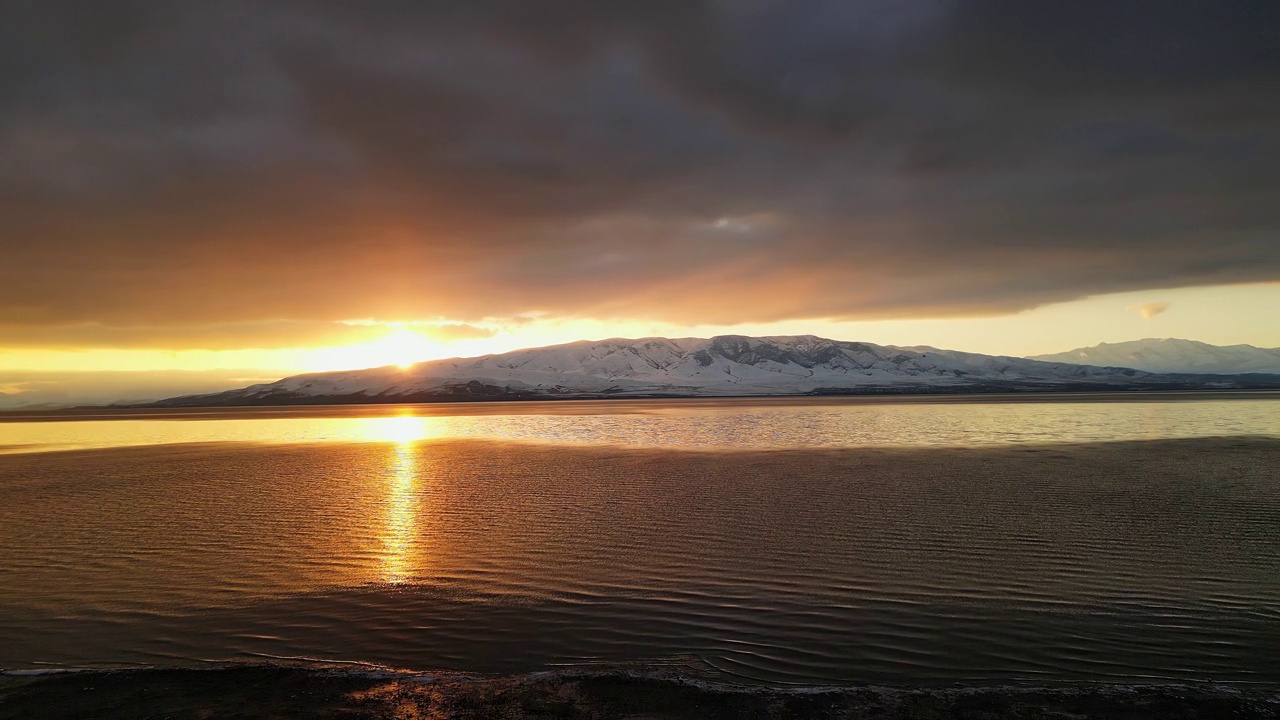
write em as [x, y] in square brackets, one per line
[1118, 561]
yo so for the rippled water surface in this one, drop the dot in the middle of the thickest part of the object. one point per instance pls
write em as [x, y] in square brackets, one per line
[729, 423]
[823, 542]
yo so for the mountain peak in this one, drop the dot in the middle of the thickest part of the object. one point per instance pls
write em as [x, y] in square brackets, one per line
[1174, 355]
[724, 365]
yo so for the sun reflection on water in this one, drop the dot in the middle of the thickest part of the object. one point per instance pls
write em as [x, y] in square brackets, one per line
[401, 429]
[400, 546]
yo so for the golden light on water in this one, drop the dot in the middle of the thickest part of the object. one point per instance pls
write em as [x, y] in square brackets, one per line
[401, 552]
[399, 539]
[401, 429]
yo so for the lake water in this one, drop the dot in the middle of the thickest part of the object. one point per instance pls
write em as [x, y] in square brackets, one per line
[783, 542]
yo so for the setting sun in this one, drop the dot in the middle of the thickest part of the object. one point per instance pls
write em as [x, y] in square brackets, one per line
[402, 346]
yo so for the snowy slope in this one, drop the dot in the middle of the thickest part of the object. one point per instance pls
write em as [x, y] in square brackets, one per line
[1171, 355]
[721, 366]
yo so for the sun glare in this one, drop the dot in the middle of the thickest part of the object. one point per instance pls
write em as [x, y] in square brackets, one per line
[401, 346]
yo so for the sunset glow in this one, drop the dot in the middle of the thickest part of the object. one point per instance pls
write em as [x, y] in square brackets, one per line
[1221, 315]
[774, 359]
[401, 346]
[449, 186]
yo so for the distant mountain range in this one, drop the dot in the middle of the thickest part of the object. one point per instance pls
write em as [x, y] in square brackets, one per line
[1171, 355]
[727, 365]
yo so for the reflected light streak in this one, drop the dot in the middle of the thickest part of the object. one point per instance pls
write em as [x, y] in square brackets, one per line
[399, 546]
[400, 550]
[402, 429]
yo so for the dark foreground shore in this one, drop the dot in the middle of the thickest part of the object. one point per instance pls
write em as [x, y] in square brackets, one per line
[301, 693]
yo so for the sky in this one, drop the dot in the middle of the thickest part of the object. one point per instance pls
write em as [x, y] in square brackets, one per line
[198, 195]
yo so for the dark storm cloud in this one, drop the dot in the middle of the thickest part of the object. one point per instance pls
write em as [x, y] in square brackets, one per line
[234, 164]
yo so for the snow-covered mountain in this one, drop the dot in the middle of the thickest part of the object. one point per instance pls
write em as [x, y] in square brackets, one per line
[727, 365]
[1171, 355]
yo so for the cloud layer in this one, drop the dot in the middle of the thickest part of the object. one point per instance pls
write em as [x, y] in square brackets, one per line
[237, 164]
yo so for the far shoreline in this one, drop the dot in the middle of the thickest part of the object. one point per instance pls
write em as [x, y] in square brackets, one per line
[591, 405]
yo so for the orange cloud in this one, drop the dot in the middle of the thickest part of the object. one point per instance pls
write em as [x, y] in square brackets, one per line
[1151, 309]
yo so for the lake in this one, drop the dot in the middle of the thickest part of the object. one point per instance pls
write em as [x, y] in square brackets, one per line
[927, 541]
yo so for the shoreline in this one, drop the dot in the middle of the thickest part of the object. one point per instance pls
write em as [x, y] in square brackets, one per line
[262, 691]
[613, 404]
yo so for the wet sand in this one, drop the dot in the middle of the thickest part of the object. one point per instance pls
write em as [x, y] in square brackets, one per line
[275, 692]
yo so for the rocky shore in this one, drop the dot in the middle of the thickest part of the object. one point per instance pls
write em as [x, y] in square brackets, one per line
[284, 692]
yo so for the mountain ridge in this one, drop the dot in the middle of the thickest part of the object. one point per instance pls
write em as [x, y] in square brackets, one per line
[720, 366]
[1174, 355]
